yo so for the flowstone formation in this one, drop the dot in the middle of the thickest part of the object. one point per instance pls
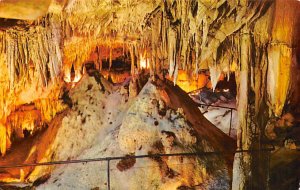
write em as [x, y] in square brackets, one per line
[107, 130]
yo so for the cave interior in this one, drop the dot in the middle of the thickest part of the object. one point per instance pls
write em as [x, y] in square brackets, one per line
[150, 94]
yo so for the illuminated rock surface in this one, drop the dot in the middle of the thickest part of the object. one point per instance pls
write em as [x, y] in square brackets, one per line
[135, 128]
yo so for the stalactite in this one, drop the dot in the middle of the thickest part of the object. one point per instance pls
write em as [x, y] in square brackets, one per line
[175, 74]
[39, 45]
[132, 56]
[49, 107]
[184, 34]
[24, 118]
[163, 35]
[110, 57]
[100, 59]
[146, 58]
[215, 73]
[278, 76]
[242, 162]
[3, 139]
[172, 51]
[197, 52]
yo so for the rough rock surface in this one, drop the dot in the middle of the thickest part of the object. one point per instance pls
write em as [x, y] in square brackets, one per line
[108, 126]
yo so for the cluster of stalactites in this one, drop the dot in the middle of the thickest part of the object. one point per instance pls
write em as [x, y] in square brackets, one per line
[190, 35]
[31, 52]
[30, 58]
[16, 120]
[78, 51]
[31, 61]
[194, 35]
[102, 18]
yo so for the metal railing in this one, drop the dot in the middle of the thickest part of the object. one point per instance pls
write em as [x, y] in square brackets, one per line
[223, 107]
[109, 159]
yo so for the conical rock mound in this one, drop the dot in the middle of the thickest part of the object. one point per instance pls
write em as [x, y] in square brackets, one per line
[117, 127]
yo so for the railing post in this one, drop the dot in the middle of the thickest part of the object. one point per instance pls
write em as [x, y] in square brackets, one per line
[230, 122]
[108, 174]
[268, 168]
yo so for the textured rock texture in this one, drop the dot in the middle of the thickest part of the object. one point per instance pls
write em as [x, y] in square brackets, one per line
[107, 126]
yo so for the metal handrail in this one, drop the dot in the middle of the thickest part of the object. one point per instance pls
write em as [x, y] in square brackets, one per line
[108, 159]
[133, 156]
[207, 105]
[224, 107]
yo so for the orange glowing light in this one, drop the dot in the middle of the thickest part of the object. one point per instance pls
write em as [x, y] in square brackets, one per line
[77, 77]
[116, 77]
[189, 82]
[143, 62]
[67, 79]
